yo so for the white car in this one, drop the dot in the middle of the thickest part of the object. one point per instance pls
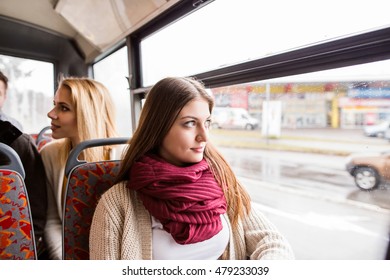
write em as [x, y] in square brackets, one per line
[234, 118]
[377, 130]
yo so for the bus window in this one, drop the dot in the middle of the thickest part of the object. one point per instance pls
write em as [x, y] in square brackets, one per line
[113, 72]
[297, 148]
[30, 91]
[225, 33]
[296, 165]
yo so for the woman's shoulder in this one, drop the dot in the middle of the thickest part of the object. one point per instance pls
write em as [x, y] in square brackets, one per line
[52, 147]
[118, 192]
[119, 199]
[50, 153]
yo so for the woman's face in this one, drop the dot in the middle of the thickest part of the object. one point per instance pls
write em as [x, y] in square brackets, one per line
[187, 138]
[63, 116]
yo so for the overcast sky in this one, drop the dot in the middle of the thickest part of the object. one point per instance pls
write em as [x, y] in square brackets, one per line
[228, 31]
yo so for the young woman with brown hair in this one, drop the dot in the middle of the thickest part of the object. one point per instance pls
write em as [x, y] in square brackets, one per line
[176, 197]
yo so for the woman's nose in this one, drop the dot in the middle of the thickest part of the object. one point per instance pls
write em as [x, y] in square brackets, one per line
[52, 114]
[203, 135]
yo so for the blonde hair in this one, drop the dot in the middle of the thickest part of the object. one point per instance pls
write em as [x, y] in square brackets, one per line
[95, 115]
[162, 105]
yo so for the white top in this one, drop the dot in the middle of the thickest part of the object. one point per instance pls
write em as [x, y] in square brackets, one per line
[166, 248]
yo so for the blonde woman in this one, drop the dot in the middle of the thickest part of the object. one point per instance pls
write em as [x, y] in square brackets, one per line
[83, 110]
[176, 197]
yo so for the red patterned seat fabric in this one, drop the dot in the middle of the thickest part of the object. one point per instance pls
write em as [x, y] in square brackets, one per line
[16, 234]
[43, 142]
[86, 184]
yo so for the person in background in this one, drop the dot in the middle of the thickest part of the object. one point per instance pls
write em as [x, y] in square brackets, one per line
[176, 197]
[3, 97]
[34, 180]
[83, 110]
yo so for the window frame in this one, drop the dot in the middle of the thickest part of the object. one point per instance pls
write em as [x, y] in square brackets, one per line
[364, 47]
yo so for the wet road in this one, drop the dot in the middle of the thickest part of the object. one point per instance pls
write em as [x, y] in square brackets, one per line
[314, 202]
[324, 175]
[323, 229]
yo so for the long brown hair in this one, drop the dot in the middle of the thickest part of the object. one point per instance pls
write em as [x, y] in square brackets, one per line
[163, 104]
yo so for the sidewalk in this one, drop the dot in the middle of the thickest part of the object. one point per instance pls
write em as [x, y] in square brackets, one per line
[341, 142]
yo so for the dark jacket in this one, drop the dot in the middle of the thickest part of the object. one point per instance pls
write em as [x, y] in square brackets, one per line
[35, 177]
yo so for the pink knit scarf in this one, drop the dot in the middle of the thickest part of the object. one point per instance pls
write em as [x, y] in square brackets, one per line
[186, 200]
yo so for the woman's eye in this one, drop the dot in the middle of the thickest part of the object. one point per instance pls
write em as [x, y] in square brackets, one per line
[190, 124]
[208, 123]
[63, 108]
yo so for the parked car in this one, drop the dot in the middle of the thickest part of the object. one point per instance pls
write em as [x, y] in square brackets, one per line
[369, 170]
[238, 118]
[377, 130]
[387, 134]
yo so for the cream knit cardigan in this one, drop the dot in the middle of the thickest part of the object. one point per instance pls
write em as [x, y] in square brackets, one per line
[54, 184]
[122, 230]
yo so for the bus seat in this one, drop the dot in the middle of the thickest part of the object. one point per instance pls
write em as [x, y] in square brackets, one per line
[42, 143]
[43, 138]
[86, 182]
[16, 227]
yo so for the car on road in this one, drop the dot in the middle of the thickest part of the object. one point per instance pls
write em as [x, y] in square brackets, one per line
[369, 170]
[387, 134]
[234, 118]
[377, 130]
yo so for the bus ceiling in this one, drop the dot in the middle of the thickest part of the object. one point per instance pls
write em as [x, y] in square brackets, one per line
[94, 27]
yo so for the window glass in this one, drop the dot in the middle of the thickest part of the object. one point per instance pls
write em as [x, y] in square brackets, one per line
[313, 152]
[30, 91]
[113, 73]
[250, 29]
